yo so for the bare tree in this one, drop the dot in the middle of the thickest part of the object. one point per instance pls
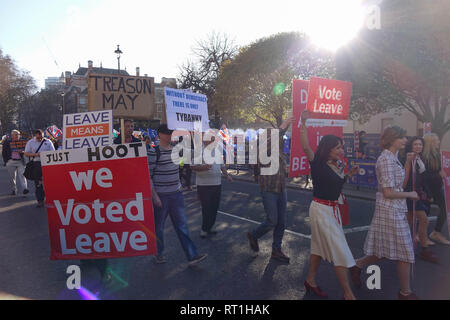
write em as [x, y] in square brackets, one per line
[200, 75]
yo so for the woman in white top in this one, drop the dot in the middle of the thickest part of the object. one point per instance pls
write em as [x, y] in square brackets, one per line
[209, 189]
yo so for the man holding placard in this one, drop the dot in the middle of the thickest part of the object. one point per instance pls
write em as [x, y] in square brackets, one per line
[168, 199]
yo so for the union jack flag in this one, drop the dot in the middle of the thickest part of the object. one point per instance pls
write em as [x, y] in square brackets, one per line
[54, 132]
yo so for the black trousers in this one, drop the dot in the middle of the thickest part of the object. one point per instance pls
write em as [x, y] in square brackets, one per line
[439, 200]
[39, 190]
[210, 199]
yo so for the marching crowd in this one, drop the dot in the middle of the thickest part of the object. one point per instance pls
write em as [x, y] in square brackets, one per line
[409, 175]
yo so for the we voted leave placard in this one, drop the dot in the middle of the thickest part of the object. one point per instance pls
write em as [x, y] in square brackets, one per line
[186, 110]
[328, 102]
[99, 202]
[299, 165]
[87, 130]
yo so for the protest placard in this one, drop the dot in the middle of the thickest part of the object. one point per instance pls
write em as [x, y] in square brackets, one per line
[127, 96]
[87, 130]
[186, 110]
[99, 202]
[446, 168]
[328, 102]
[299, 162]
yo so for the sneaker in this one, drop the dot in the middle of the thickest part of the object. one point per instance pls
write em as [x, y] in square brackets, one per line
[278, 255]
[198, 259]
[253, 242]
[429, 256]
[438, 237]
[410, 296]
[160, 260]
[26, 191]
[203, 234]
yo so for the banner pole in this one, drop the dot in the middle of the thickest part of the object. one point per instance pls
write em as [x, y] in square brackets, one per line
[122, 130]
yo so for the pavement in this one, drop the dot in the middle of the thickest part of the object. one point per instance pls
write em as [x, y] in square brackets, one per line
[231, 272]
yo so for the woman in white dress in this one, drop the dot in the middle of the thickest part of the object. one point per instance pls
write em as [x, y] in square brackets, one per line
[328, 241]
[389, 236]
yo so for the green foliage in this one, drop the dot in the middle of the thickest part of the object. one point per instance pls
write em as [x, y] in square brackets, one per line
[403, 66]
[255, 88]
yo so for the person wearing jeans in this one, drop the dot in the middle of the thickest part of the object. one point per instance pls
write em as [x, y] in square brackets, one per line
[273, 192]
[275, 208]
[167, 197]
[173, 205]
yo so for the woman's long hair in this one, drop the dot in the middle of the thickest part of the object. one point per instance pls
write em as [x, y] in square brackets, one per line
[431, 155]
[327, 144]
[409, 148]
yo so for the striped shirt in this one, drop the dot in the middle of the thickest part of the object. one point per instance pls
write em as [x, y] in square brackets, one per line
[165, 175]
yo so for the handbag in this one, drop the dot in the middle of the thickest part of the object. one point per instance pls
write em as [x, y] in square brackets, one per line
[344, 209]
[33, 170]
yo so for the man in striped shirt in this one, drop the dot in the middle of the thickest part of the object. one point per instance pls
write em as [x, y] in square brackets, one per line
[168, 198]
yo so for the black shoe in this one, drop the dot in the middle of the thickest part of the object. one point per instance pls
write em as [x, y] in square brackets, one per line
[13, 193]
[26, 191]
[278, 255]
[253, 242]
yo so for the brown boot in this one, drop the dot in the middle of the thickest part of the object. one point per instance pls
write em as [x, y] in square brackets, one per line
[278, 255]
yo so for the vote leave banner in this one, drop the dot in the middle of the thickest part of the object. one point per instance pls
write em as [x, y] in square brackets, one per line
[88, 130]
[328, 102]
[186, 110]
[299, 162]
[99, 202]
[446, 168]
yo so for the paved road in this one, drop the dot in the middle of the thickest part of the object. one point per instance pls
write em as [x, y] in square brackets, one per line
[230, 272]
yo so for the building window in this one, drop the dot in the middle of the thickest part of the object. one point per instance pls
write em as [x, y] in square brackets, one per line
[388, 122]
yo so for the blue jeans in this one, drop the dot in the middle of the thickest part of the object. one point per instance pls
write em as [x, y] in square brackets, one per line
[173, 206]
[275, 207]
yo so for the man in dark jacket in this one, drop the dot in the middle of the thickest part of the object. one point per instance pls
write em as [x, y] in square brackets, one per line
[12, 154]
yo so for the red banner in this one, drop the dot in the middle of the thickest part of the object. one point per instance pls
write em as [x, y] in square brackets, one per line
[299, 161]
[329, 101]
[99, 202]
[446, 168]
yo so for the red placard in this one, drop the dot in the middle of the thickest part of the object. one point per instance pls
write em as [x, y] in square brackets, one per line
[99, 203]
[446, 168]
[299, 162]
[329, 99]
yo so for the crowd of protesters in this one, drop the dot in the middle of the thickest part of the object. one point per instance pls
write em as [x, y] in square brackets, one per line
[410, 179]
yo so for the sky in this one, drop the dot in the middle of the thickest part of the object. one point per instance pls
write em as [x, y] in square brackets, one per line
[47, 37]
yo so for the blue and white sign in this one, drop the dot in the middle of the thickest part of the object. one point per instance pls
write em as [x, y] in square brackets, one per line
[186, 110]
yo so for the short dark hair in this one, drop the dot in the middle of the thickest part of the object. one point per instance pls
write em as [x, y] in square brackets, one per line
[38, 131]
[390, 134]
[327, 144]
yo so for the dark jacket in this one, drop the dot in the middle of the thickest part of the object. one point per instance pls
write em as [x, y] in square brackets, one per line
[118, 140]
[6, 151]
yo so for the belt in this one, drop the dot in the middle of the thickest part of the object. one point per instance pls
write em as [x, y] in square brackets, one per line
[331, 203]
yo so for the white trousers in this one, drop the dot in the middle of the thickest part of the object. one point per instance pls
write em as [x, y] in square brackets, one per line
[17, 181]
